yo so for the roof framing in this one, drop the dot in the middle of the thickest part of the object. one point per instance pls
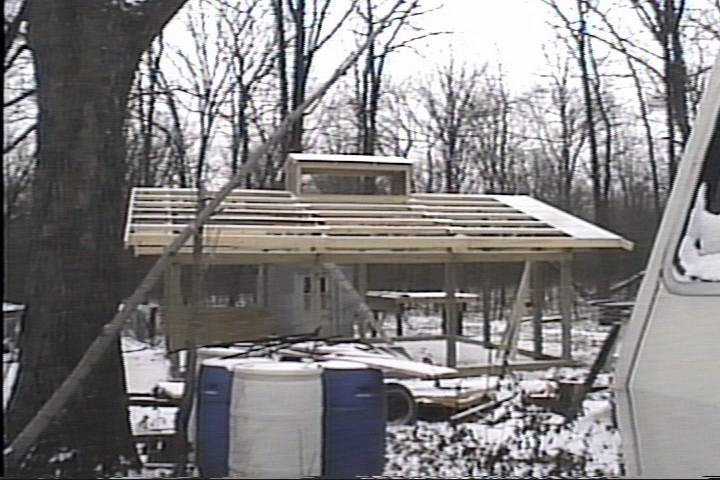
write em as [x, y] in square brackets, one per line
[416, 228]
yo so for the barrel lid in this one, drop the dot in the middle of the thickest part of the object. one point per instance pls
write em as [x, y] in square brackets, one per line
[342, 365]
[231, 363]
[278, 368]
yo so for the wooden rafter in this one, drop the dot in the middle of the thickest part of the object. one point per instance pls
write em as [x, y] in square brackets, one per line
[276, 221]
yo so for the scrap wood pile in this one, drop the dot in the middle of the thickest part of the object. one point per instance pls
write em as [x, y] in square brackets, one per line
[436, 398]
[390, 361]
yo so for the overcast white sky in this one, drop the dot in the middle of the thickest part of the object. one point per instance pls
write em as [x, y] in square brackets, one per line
[510, 32]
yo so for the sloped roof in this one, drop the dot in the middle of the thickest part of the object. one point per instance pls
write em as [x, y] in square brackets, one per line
[419, 227]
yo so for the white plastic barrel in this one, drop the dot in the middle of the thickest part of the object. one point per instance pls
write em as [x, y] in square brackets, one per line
[213, 413]
[206, 353]
[276, 421]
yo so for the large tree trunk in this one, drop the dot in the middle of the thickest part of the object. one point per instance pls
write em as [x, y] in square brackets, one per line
[85, 57]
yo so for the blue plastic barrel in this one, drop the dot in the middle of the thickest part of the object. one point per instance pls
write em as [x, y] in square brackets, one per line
[206, 353]
[213, 414]
[354, 420]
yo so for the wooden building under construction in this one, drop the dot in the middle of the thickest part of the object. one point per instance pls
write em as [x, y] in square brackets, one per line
[339, 213]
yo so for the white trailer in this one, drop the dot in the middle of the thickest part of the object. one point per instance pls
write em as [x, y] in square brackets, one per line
[668, 371]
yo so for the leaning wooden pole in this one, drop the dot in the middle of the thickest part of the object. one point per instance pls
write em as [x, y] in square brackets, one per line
[366, 314]
[15, 452]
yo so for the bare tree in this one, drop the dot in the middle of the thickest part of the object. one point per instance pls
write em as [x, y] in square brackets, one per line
[495, 144]
[19, 105]
[369, 76]
[308, 25]
[147, 139]
[85, 55]
[205, 77]
[707, 20]
[622, 46]
[663, 20]
[450, 101]
[400, 123]
[581, 48]
[247, 47]
[555, 133]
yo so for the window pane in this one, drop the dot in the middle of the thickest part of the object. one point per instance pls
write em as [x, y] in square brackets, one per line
[697, 258]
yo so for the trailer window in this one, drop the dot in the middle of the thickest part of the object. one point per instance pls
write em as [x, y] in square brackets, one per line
[697, 256]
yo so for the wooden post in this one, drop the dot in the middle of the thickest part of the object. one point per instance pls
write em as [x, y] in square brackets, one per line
[261, 297]
[566, 308]
[361, 277]
[487, 312]
[461, 315]
[451, 316]
[537, 307]
[399, 319]
[172, 291]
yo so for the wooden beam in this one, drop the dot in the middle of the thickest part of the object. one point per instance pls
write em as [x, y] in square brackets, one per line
[459, 243]
[220, 256]
[337, 227]
[172, 302]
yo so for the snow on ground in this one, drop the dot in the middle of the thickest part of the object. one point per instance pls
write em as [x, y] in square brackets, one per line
[526, 444]
[144, 366]
[514, 440]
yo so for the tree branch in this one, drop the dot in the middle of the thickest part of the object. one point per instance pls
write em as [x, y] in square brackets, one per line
[12, 29]
[11, 146]
[19, 98]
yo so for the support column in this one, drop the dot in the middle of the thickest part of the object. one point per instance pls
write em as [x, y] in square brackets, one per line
[173, 307]
[399, 320]
[361, 280]
[451, 315]
[566, 307]
[537, 297]
[487, 326]
[373, 330]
